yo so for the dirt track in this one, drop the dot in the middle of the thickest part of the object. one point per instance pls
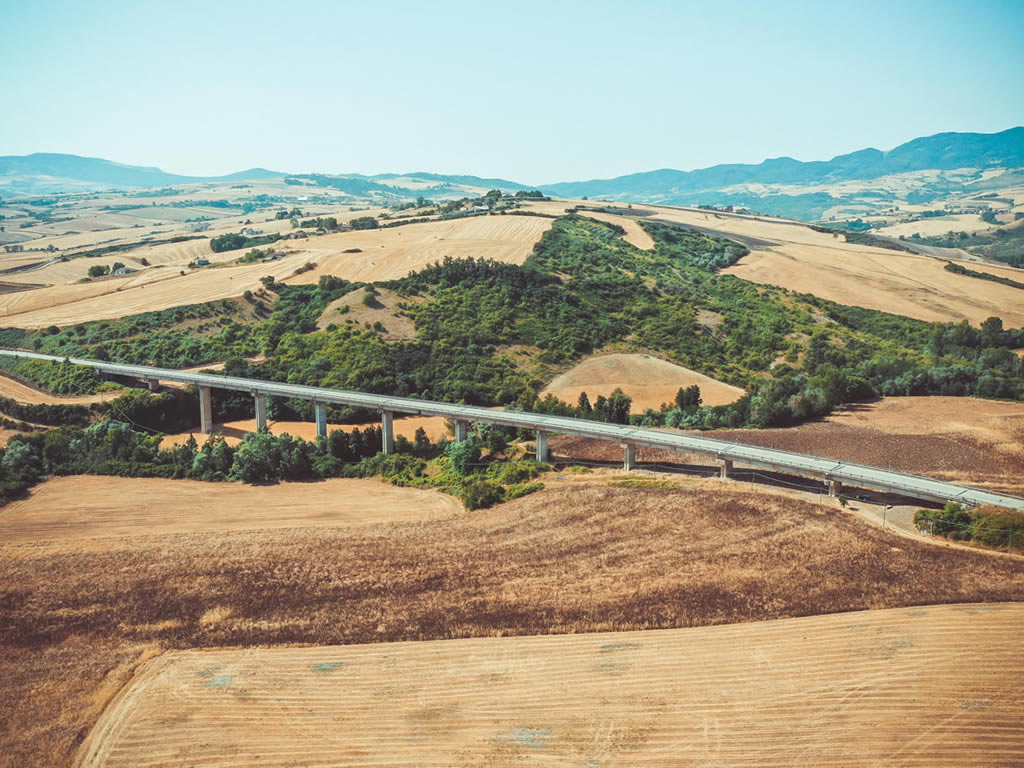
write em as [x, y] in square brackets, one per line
[930, 686]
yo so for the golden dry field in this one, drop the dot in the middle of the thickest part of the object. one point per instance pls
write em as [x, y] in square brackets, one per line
[852, 689]
[648, 380]
[69, 509]
[382, 254]
[25, 393]
[81, 614]
[792, 255]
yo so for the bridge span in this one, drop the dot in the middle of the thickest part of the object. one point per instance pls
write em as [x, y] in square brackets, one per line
[834, 473]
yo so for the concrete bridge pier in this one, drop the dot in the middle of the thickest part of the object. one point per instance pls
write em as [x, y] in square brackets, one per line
[205, 411]
[835, 488]
[387, 432]
[153, 384]
[261, 409]
[320, 414]
[629, 456]
[542, 446]
[724, 468]
[461, 430]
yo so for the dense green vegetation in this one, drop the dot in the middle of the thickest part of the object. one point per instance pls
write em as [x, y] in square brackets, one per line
[114, 447]
[233, 241]
[993, 527]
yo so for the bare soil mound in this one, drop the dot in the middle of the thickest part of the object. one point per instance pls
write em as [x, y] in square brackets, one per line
[778, 693]
[648, 380]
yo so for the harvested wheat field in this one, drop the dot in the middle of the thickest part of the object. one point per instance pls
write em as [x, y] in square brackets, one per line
[794, 256]
[388, 254]
[381, 254]
[568, 559]
[648, 380]
[856, 689]
[74, 508]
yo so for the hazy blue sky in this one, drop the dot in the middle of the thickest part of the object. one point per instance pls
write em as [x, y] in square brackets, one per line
[531, 91]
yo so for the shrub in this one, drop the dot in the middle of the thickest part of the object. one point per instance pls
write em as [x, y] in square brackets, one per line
[480, 494]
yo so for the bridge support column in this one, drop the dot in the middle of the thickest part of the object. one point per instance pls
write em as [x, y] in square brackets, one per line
[261, 410]
[205, 411]
[834, 488]
[320, 413]
[724, 468]
[629, 456]
[153, 384]
[387, 432]
[461, 430]
[542, 446]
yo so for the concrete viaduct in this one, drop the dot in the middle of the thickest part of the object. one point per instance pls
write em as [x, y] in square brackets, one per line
[834, 473]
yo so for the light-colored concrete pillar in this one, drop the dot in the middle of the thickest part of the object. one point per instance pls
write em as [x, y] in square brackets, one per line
[153, 384]
[542, 446]
[261, 410]
[320, 411]
[461, 430]
[205, 411]
[387, 432]
[629, 456]
[834, 488]
[724, 468]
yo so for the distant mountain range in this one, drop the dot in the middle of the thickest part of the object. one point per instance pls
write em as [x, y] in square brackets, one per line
[781, 185]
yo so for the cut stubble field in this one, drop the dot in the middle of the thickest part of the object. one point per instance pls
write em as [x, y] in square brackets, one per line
[80, 614]
[856, 689]
[383, 254]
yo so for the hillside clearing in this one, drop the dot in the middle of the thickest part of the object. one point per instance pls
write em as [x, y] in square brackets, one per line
[775, 693]
[646, 379]
[23, 393]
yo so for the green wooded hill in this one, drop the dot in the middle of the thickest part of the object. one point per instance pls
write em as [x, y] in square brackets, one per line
[494, 334]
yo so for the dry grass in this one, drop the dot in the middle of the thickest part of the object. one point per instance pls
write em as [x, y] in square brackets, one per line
[66, 510]
[796, 257]
[648, 380]
[579, 559]
[857, 689]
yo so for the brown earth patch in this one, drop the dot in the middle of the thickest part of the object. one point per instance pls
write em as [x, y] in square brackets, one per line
[966, 440]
